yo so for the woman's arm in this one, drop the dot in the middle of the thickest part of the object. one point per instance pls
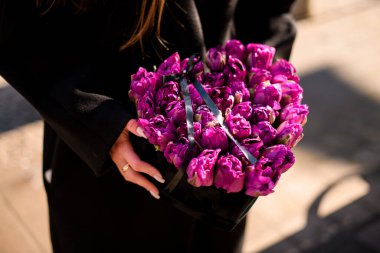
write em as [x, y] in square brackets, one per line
[75, 93]
[88, 123]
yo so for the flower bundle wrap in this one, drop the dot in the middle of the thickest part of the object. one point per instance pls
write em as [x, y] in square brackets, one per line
[231, 128]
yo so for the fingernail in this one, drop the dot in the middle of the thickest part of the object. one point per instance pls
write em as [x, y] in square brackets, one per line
[140, 132]
[155, 195]
[159, 179]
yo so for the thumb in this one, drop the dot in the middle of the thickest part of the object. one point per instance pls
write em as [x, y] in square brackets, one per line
[133, 127]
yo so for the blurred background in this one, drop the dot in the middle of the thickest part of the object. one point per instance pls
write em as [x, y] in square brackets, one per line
[328, 202]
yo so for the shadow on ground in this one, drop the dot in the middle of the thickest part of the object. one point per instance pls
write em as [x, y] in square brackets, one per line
[344, 124]
[15, 111]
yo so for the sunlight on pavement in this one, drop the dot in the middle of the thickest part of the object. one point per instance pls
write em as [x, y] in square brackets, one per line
[346, 192]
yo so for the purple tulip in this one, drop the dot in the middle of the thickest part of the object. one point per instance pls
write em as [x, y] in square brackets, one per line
[261, 178]
[182, 130]
[252, 145]
[222, 97]
[143, 82]
[289, 134]
[146, 108]
[200, 171]
[240, 91]
[279, 157]
[176, 111]
[204, 116]
[159, 131]
[294, 113]
[229, 174]
[279, 79]
[239, 127]
[291, 93]
[170, 66]
[184, 63]
[265, 131]
[167, 93]
[268, 94]
[257, 76]
[175, 152]
[213, 80]
[195, 96]
[216, 59]
[284, 68]
[235, 70]
[214, 138]
[197, 68]
[235, 49]
[263, 113]
[244, 109]
[260, 56]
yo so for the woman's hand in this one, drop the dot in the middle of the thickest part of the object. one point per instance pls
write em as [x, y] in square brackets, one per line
[129, 163]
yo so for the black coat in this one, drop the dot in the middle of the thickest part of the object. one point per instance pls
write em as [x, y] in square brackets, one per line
[67, 64]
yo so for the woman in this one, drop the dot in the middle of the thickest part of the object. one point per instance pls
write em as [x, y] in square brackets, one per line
[72, 60]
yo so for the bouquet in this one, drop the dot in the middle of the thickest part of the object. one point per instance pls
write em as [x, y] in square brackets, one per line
[227, 124]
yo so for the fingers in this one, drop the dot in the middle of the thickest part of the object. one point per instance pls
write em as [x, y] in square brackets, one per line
[134, 128]
[122, 153]
[136, 178]
[138, 165]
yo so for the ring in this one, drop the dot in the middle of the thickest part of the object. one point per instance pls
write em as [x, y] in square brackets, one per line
[126, 167]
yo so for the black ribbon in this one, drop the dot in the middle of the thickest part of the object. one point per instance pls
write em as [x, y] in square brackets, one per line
[189, 121]
[183, 81]
[219, 117]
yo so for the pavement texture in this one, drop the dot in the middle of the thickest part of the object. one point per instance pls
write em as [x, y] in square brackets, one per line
[328, 202]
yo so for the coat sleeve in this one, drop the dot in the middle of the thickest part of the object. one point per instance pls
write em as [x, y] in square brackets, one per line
[68, 95]
[88, 123]
[269, 22]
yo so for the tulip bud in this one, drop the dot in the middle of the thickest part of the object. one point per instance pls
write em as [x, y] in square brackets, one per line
[170, 66]
[294, 113]
[291, 93]
[268, 94]
[259, 56]
[216, 59]
[261, 178]
[289, 134]
[176, 111]
[159, 131]
[175, 152]
[204, 116]
[214, 138]
[229, 174]
[143, 82]
[265, 131]
[235, 49]
[279, 157]
[244, 109]
[263, 113]
[239, 127]
[284, 68]
[167, 93]
[200, 171]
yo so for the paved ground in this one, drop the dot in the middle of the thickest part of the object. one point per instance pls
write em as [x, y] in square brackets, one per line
[328, 202]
